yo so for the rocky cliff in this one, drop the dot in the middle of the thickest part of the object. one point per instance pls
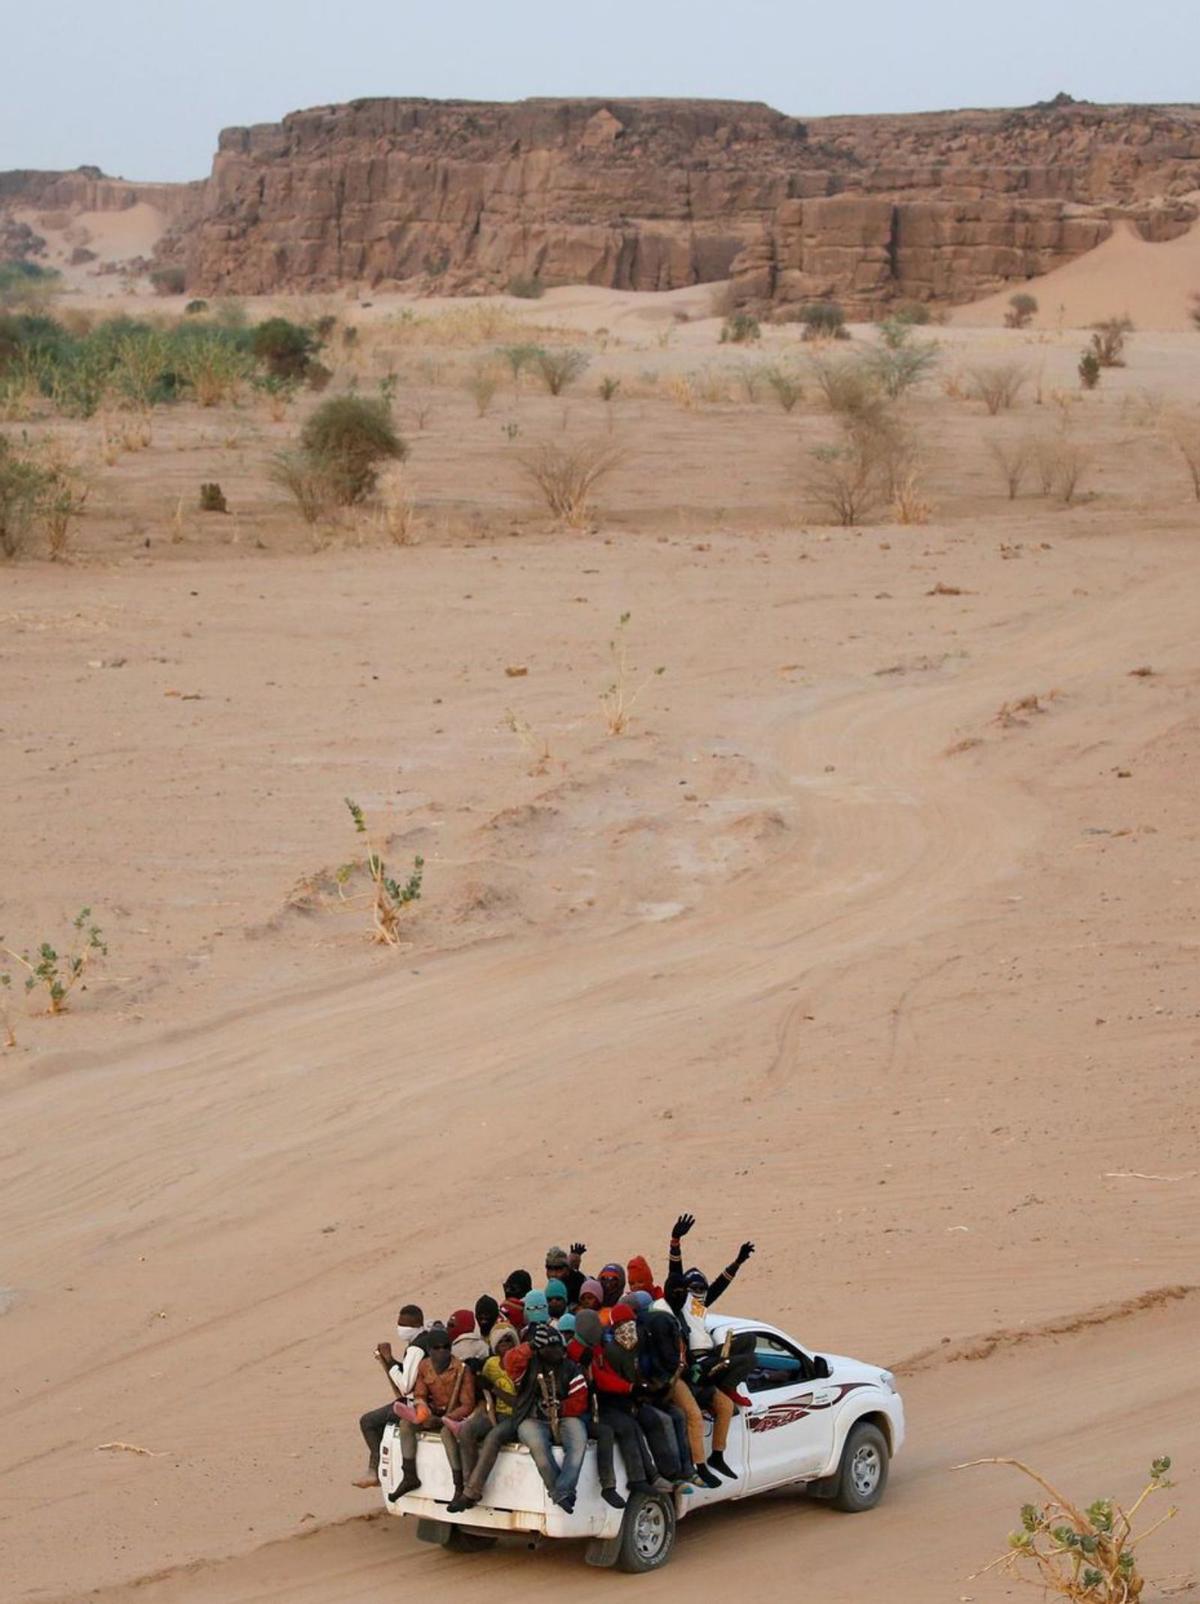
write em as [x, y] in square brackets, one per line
[654, 194]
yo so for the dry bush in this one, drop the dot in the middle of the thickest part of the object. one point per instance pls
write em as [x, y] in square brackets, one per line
[481, 323]
[397, 512]
[711, 386]
[876, 464]
[1022, 307]
[910, 503]
[997, 385]
[1185, 434]
[682, 391]
[620, 696]
[848, 390]
[566, 475]
[1085, 1554]
[1012, 458]
[1108, 341]
[561, 366]
[785, 386]
[1068, 461]
[61, 497]
[307, 483]
[481, 384]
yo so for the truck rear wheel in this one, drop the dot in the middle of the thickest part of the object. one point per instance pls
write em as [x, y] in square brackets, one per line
[863, 1473]
[647, 1533]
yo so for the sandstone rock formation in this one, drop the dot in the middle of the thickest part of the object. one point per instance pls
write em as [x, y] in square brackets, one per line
[655, 194]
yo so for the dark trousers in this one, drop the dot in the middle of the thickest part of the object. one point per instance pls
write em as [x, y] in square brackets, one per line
[505, 1431]
[664, 1445]
[629, 1439]
[371, 1425]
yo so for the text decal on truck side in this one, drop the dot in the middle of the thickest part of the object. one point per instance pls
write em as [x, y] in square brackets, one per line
[785, 1414]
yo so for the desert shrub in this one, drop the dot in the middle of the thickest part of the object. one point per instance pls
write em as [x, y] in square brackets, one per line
[210, 363]
[1066, 462]
[823, 320]
[306, 482]
[566, 475]
[844, 481]
[1012, 458]
[1021, 309]
[848, 389]
[911, 312]
[168, 280]
[1087, 1554]
[608, 387]
[318, 377]
[21, 484]
[561, 366]
[280, 393]
[1108, 341]
[526, 287]
[896, 368]
[740, 328]
[621, 695]
[63, 494]
[194, 308]
[345, 439]
[1089, 369]
[284, 349]
[997, 385]
[27, 285]
[212, 498]
[785, 386]
[481, 383]
[519, 357]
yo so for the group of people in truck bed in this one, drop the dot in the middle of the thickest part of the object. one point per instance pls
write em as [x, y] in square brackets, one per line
[612, 1358]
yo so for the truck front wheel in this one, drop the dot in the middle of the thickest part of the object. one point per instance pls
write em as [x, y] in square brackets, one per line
[864, 1469]
[647, 1533]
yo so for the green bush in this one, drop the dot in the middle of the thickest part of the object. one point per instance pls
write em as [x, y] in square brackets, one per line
[526, 287]
[896, 368]
[169, 280]
[21, 487]
[561, 366]
[194, 308]
[912, 312]
[1021, 308]
[823, 320]
[27, 284]
[284, 349]
[345, 439]
[212, 498]
[740, 328]
[1089, 370]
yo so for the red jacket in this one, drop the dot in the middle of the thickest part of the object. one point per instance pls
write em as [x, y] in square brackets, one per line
[573, 1402]
[604, 1378]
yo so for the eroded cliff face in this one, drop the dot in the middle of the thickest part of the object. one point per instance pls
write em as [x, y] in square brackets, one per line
[653, 195]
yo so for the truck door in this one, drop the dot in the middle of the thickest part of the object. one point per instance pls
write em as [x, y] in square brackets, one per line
[789, 1425]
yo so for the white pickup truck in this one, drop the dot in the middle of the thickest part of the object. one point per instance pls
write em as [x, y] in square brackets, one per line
[830, 1423]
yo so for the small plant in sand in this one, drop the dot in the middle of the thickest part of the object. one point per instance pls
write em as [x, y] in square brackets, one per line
[57, 974]
[344, 441]
[607, 388]
[1089, 370]
[1108, 341]
[1087, 1554]
[1021, 310]
[566, 475]
[212, 498]
[537, 746]
[823, 320]
[740, 328]
[561, 366]
[389, 897]
[519, 357]
[997, 385]
[621, 695]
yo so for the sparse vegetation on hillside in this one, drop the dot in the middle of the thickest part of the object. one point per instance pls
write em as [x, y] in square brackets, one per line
[823, 320]
[344, 441]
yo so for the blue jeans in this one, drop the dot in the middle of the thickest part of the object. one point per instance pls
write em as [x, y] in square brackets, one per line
[535, 1434]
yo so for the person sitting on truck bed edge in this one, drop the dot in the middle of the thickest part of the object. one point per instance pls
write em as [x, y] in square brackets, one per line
[444, 1396]
[493, 1414]
[400, 1365]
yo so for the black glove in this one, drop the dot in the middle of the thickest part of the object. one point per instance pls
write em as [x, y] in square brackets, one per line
[744, 1252]
[578, 1249]
[682, 1226]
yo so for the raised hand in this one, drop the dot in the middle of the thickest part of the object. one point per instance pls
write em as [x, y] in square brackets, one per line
[577, 1250]
[682, 1226]
[744, 1252]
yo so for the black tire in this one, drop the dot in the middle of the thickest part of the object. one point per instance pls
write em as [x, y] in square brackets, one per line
[863, 1472]
[647, 1533]
[463, 1541]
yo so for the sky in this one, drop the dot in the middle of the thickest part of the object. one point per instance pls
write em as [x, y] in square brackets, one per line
[141, 88]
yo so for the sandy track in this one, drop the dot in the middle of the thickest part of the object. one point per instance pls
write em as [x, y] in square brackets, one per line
[1078, 1400]
[239, 1207]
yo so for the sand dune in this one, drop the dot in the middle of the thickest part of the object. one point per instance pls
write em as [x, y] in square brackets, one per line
[1153, 284]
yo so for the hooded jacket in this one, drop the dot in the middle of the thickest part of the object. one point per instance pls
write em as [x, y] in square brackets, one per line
[471, 1349]
[408, 1355]
[501, 1386]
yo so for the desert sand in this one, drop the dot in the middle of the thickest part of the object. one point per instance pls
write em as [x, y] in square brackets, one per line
[838, 945]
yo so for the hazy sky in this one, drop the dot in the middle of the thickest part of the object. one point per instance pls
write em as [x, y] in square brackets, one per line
[142, 87]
